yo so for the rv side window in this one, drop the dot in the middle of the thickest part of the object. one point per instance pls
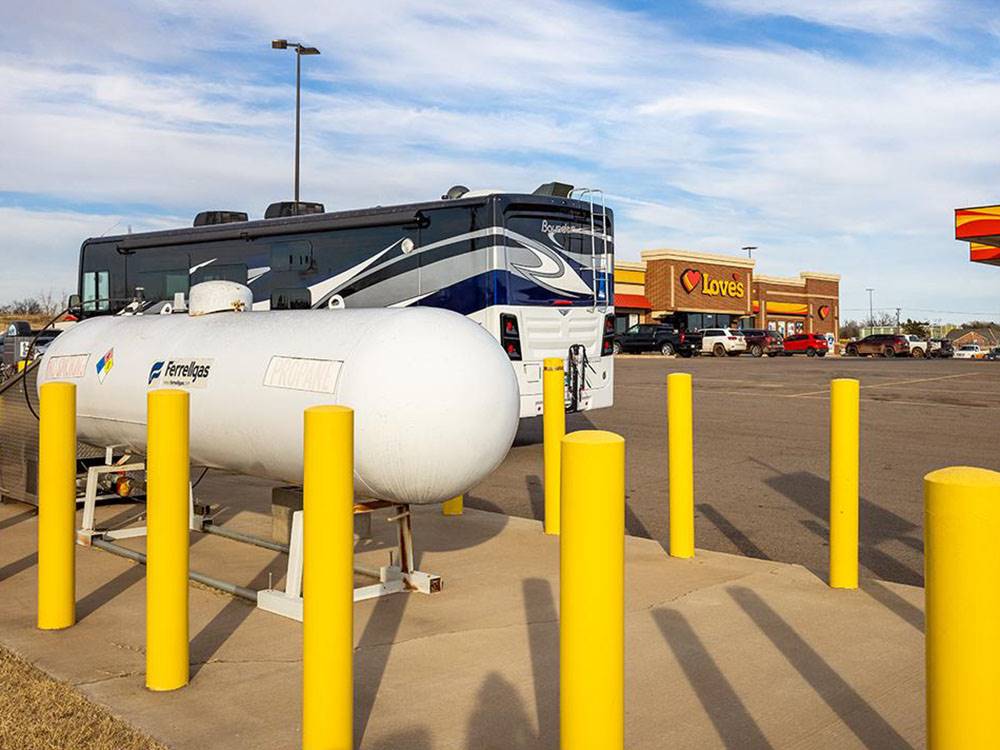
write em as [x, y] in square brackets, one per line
[291, 299]
[163, 285]
[226, 272]
[96, 290]
[291, 256]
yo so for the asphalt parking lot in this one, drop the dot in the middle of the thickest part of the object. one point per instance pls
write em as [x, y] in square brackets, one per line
[761, 452]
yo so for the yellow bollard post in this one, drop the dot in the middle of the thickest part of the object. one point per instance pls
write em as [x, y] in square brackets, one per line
[328, 579]
[844, 416]
[680, 425]
[57, 506]
[453, 507]
[553, 430]
[592, 592]
[167, 524]
[962, 566]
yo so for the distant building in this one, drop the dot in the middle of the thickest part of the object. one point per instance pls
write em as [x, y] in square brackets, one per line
[936, 330]
[692, 290]
[986, 336]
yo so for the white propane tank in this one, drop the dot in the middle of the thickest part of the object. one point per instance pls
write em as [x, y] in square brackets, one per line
[435, 398]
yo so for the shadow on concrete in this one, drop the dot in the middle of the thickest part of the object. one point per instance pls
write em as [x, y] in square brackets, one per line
[124, 580]
[104, 593]
[863, 720]
[732, 721]
[6, 523]
[633, 525]
[530, 430]
[812, 493]
[12, 569]
[543, 641]
[411, 739]
[500, 720]
[741, 541]
[536, 496]
[469, 535]
[372, 655]
[895, 603]
[221, 627]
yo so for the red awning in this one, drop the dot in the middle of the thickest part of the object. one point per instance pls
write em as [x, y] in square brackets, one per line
[632, 302]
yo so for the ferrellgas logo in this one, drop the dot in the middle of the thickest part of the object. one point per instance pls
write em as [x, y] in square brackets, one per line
[691, 278]
[188, 373]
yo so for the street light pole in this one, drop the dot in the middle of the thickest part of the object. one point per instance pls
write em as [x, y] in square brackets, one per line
[298, 120]
[300, 49]
[871, 308]
[749, 249]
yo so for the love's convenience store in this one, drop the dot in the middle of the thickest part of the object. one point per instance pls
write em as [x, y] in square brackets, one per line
[693, 290]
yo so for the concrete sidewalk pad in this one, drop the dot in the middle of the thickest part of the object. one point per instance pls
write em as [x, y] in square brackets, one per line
[721, 651]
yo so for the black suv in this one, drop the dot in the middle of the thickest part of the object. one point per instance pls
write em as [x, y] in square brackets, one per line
[652, 337]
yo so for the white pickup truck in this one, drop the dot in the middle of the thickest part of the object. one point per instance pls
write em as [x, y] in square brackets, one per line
[970, 351]
[918, 346]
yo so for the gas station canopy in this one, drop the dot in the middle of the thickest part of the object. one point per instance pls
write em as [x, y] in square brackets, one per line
[980, 227]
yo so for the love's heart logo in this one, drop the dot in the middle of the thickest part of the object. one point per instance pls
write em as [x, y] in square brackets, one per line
[690, 279]
[824, 312]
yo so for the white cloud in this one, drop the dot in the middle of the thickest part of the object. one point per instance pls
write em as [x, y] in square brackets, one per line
[894, 17]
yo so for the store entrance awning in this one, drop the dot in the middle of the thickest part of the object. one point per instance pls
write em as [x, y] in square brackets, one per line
[632, 302]
[980, 227]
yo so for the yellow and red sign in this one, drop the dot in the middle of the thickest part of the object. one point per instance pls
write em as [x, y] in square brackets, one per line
[711, 287]
[977, 223]
[824, 312]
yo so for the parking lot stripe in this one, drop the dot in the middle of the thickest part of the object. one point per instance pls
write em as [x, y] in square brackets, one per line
[892, 383]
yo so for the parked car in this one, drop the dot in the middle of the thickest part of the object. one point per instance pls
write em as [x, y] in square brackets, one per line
[970, 351]
[761, 342]
[720, 342]
[940, 348]
[810, 344]
[993, 353]
[918, 346]
[653, 337]
[879, 345]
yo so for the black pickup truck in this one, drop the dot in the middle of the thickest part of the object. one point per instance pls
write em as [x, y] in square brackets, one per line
[652, 337]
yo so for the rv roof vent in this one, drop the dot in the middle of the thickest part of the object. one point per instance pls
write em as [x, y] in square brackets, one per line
[284, 209]
[455, 192]
[219, 217]
[555, 189]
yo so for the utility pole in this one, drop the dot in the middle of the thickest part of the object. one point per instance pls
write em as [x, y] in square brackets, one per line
[898, 329]
[871, 308]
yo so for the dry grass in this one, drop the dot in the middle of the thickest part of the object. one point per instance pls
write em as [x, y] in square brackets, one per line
[39, 713]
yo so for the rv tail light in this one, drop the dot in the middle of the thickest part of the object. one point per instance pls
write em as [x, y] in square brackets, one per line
[510, 337]
[608, 340]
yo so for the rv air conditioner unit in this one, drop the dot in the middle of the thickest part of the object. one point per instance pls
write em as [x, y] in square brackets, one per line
[285, 209]
[206, 218]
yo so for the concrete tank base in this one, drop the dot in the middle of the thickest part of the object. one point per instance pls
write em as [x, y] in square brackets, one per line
[720, 650]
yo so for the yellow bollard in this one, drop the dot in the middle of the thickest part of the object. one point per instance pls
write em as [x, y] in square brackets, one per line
[591, 592]
[553, 430]
[328, 579]
[167, 523]
[452, 507]
[681, 464]
[57, 506]
[844, 416]
[962, 566]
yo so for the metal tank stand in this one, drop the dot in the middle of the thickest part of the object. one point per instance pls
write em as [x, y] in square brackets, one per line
[399, 575]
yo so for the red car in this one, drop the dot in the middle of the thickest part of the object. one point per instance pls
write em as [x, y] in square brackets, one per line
[810, 344]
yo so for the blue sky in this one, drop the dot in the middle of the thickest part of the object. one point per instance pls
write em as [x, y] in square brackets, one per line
[836, 136]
